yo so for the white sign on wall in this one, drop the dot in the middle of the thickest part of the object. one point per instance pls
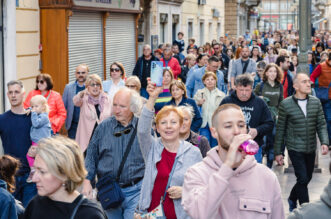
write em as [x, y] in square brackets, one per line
[111, 4]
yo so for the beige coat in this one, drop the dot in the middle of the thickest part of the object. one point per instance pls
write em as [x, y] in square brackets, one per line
[88, 117]
[212, 101]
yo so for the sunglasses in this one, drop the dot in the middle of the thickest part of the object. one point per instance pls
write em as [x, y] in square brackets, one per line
[40, 81]
[81, 72]
[95, 85]
[114, 70]
[125, 132]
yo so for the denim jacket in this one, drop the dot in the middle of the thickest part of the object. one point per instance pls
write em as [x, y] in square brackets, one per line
[7, 203]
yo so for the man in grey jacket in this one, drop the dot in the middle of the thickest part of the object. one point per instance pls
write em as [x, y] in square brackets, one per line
[69, 92]
[243, 65]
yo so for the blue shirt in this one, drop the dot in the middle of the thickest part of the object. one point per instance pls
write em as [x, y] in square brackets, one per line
[15, 136]
[105, 152]
[194, 81]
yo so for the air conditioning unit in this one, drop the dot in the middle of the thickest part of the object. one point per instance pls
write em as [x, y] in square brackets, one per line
[163, 18]
[216, 13]
[202, 2]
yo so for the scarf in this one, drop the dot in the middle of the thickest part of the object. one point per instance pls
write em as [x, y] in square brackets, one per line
[98, 100]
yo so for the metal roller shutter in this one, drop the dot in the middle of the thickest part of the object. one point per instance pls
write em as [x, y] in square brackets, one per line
[85, 43]
[121, 41]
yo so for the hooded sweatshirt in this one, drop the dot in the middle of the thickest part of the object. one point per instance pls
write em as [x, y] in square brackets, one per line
[256, 112]
[320, 209]
[214, 190]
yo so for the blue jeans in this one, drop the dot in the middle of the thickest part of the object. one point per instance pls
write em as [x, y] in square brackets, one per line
[327, 113]
[24, 191]
[269, 147]
[127, 209]
[72, 131]
[258, 155]
[206, 132]
[144, 93]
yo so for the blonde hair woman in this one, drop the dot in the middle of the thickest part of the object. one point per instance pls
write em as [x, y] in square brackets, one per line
[94, 108]
[60, 170]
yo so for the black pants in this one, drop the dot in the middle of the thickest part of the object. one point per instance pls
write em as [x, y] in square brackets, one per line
[303, 165]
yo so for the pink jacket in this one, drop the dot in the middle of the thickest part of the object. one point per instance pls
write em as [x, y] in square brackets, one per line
[213, 190]
[88, 117]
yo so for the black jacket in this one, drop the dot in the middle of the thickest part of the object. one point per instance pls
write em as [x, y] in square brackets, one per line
[256, 112]
[138, 69]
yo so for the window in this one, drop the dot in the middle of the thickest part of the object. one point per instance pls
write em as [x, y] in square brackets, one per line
[190, 29]
[202, 31]
[210, 28]
[218, 30]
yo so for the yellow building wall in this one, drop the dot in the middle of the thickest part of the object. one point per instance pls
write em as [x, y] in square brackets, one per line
[27, 42]
[191, 11]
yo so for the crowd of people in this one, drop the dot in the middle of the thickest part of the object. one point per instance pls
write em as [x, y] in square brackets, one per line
[137, 150]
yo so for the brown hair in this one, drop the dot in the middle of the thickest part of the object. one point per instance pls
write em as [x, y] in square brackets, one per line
[208, 74]
[180, 85]
[166, 110]
[279, 73]
[121, 67]
[170, 72]
[47, 78]
[8, 168]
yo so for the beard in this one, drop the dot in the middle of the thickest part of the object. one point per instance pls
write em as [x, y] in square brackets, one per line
[223, 143]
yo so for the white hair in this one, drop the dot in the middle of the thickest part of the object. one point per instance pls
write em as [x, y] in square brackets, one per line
[188, 109]
[135, 100]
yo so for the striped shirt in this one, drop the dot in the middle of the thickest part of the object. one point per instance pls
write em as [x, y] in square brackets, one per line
[105, 152]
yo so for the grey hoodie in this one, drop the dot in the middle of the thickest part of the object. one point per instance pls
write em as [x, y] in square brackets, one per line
[320, 209]
[151, 149]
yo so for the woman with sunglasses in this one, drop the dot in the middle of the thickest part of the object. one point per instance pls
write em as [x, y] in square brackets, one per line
[57, 112]
[161, 155]
[117, 76]
[94, 108]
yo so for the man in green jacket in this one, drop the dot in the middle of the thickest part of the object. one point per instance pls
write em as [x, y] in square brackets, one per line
[300, 117]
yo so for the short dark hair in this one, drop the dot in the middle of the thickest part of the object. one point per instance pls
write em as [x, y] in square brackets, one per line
[180, 33]
[261, 64]
[329, 56]
[213, 59]
[200, 56]
[281, 59]
[47, 78]
[244, 80]
[215, 44]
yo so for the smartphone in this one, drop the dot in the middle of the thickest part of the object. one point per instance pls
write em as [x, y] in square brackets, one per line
[157, 73]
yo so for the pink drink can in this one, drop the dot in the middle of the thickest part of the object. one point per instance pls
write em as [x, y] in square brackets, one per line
[250, 147]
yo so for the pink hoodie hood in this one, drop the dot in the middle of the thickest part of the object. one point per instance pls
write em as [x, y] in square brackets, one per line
[214, 190]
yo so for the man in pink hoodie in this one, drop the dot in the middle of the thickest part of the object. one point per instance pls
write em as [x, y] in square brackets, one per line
[228, 183]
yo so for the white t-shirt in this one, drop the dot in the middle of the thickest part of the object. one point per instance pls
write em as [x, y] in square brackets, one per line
[303, 106]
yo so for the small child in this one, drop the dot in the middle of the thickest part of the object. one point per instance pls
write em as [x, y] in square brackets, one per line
[41, 127]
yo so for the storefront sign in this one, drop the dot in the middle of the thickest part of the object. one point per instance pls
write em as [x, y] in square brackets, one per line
[111, 4]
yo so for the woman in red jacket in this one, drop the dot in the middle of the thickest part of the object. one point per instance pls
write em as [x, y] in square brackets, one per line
[57, 112]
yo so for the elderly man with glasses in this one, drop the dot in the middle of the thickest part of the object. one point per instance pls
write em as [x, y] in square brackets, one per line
[107, 149]
[69, 92]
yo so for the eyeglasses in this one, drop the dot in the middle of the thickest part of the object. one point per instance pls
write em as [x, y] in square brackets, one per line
[95, 85]
[80, 72]
[131, 86]
[40, 81]
[125, 132]
[114, 69]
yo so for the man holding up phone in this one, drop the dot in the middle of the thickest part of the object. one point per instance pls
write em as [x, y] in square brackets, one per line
[228, 183]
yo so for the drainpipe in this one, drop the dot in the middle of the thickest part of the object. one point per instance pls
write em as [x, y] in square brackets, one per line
[9, 40]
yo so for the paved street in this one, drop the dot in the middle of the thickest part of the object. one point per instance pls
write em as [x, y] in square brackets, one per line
[316, 186]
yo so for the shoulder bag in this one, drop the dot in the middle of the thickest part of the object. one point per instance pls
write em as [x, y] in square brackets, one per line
[110, 194]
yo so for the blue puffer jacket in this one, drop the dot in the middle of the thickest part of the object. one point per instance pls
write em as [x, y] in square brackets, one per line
[7, 203]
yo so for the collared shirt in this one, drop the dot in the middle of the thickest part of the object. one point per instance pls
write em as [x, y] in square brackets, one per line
[105, 152]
